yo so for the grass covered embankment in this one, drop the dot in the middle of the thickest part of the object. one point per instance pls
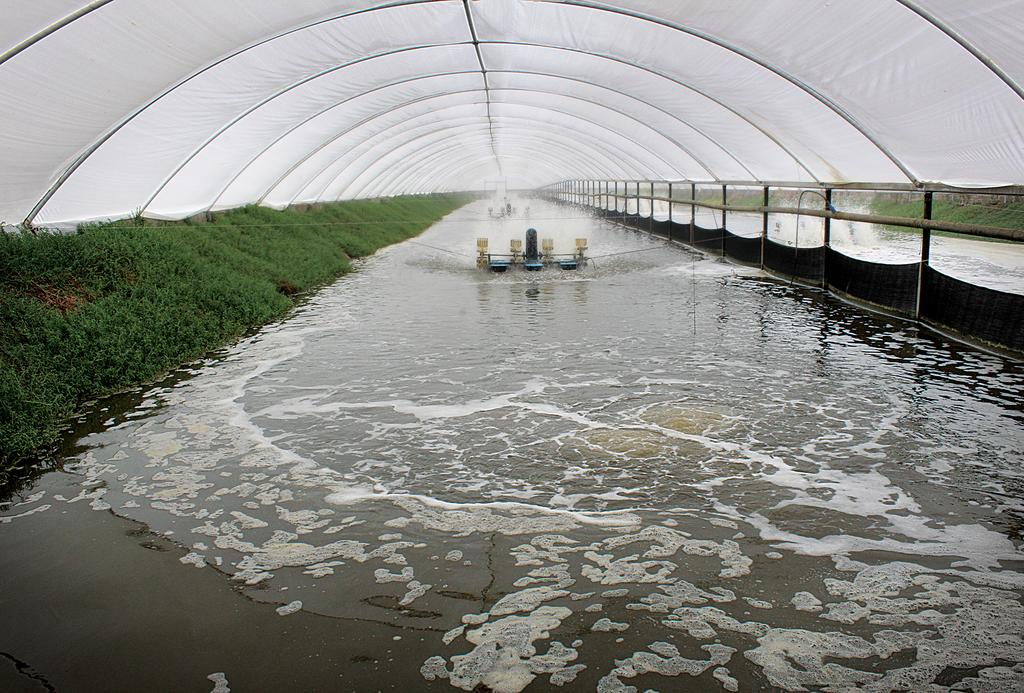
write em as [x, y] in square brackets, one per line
[1009, 215]
[116, 305]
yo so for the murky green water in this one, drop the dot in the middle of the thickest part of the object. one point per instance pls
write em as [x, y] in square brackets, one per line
[663, 472]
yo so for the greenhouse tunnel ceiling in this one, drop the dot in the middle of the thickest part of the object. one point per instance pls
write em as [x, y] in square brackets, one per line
[170, 109]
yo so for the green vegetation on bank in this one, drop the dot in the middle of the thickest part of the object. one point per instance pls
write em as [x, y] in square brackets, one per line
[116, 305]
[1007, 214]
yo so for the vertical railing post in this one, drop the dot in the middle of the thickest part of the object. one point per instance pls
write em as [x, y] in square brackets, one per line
[926, 252]
[670, 212]
[650, 225]
[693, 210]
[725, 201]
[764, 223]
[828, 240]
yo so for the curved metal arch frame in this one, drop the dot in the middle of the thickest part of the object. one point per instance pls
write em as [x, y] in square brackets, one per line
[566, 114]
[92, 147]
[685, 85]
[423, 166]
[471, 170]
[399, 178]
[477, 169]
[540, 150]
[965, 44]
[415, 132]
[384, 54]
[521, 134]
[364, 122]
[324, 111]
[728, 152]
[483, 73]
[595, 146]
[362, 59]
[539, 144]
[382, 134]
[304, 186]
[742, 52]
[465, 168]
[668, 78]
[610, 153]
[568, 155]
[647, 104]
[281, 92]
[53, 28]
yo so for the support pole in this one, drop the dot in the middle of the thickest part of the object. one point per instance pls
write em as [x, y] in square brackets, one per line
[828, 240]
[693, 210]
[725, 201]
[926, 253]
[764, 225]
[670, 213]
[650, 226]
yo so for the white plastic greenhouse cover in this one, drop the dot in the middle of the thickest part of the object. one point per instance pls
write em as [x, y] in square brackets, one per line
[173, 107]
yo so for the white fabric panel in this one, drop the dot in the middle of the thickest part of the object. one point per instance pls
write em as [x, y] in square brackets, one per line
[347, 167]
[190, 104]
[307, 138]
[29, 18]
[64, 92]
[175, 127]
[436, 164]
[755, 148]
[320, 166]
[589, 130]
[575, 151]
[833, 149]
[938, 109]
[196, 186]
[611, 126]
[416, 132]
[527, 141]
[704, 149]
[993, 27]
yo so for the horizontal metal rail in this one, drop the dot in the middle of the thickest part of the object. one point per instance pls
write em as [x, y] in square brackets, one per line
[908, 222]
[979, 230]
[1017, 190]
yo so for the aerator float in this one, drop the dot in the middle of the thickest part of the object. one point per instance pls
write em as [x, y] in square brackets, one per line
[533, 259]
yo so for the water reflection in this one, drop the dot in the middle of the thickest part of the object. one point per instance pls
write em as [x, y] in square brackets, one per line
[772, 472]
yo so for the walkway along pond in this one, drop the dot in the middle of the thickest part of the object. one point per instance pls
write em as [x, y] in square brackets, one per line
[662, 472]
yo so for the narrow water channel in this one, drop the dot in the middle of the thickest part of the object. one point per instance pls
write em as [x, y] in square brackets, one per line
[663, 472]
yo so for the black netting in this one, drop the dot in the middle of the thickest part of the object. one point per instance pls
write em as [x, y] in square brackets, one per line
[743, 248]
[661, 228]
[889, 286]
[708, 239]
[994, 316]
[680, 232]
[802, 263]
[634, 220]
